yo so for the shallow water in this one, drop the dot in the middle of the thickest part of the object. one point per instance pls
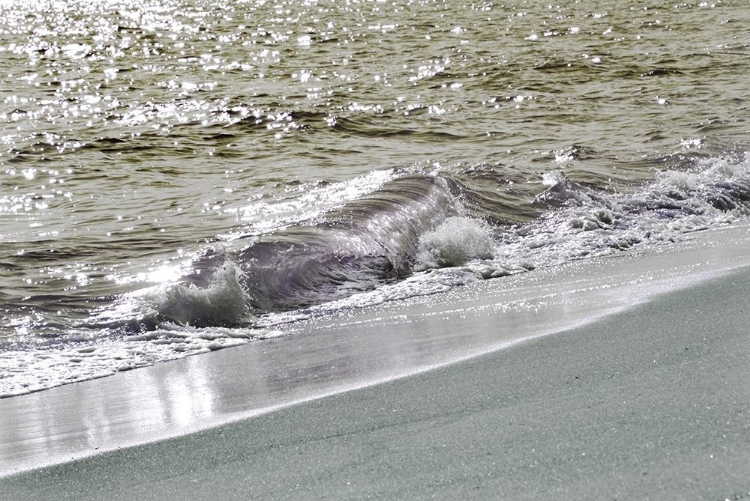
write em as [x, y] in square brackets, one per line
[180, 176]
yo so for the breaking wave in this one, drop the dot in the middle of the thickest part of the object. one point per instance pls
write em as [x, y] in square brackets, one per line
[222, 303]
[371, 246]
[409, 236]
[367, 243]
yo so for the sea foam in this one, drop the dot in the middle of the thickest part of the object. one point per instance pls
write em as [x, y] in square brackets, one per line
[222, 303]
[455, 242]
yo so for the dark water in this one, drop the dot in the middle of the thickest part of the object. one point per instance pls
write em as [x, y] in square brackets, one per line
[183, 176]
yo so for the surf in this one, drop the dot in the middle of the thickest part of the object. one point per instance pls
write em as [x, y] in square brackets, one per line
[369, 242]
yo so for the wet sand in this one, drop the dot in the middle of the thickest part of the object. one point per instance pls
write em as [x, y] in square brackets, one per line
[643, 392]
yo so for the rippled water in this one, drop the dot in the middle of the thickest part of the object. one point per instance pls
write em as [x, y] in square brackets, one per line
[178, 176]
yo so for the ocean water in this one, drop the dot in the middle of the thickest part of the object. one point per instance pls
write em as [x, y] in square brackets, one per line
[181, 176]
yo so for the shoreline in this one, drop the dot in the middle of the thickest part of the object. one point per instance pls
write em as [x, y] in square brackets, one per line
[134, 412]
[609, 410]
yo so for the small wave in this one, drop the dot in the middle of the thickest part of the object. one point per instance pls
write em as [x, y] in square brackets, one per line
[365, 244]
[407, 238]
[582, 222]
[365, 126]
[377, 247]
[369, 242]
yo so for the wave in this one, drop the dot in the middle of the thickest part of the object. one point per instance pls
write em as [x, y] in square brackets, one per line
[407, 236]
[579, 221]
[372, 246]
[368, 242]
[223, 302]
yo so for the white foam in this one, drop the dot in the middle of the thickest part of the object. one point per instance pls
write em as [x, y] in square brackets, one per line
[455, 242]
[222, 303]
[27, 371]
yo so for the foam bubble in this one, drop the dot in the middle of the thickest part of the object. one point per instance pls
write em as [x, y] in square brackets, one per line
[455, 242]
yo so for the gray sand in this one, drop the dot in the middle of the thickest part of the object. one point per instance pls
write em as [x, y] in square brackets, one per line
[652, 403]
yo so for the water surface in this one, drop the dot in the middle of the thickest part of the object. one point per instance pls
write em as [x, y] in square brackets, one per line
[181, 176]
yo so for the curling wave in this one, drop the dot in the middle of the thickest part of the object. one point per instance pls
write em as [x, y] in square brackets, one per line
[369, 242]
[418, 223]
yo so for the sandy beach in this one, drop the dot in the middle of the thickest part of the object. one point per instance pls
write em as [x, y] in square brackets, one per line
[374, 250]
[642, 391]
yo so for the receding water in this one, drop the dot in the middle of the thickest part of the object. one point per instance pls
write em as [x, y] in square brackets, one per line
[179, 176]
